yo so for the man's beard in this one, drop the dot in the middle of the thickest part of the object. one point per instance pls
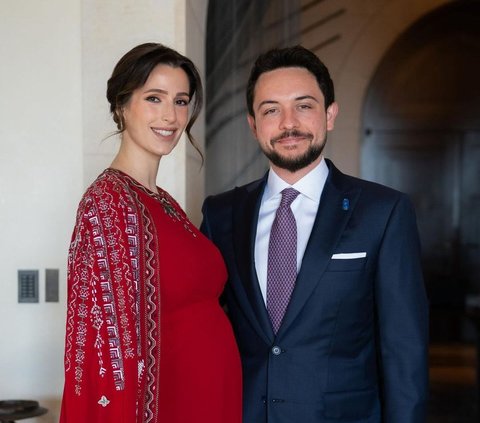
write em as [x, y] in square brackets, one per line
[293, 164]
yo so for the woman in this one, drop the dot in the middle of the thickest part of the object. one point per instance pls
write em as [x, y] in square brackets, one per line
[146, 340]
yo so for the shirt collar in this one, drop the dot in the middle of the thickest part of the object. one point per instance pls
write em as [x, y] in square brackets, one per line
[311, 185]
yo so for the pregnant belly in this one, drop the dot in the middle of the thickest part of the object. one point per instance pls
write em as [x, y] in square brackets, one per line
[199, 358]
[197, 337]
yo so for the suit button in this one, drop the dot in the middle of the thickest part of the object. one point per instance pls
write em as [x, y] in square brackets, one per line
[276, 350]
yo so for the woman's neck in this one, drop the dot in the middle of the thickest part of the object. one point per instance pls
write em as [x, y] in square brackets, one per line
[143, 171]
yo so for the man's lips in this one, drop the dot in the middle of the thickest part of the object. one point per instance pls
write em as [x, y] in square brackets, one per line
[288, 140]
[291, 137]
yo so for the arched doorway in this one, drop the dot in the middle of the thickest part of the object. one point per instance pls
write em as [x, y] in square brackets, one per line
[421, 123]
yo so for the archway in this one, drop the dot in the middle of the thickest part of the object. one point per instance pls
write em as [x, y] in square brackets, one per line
[422, 135]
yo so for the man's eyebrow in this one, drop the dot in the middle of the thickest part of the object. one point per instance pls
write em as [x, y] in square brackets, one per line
[300, 98]
[264, 102]
[307, 97]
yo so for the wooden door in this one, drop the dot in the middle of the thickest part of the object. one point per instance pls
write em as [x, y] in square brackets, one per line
[469, 259]
[425, 165]
[422, 128]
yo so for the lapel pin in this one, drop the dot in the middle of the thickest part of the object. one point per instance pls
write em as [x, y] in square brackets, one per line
[345, 204]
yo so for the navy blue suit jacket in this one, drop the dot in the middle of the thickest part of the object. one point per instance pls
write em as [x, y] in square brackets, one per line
[353, 343]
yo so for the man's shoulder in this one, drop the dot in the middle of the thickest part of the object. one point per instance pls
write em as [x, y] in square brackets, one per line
[368, 188]
[235, 194]
[373, 187]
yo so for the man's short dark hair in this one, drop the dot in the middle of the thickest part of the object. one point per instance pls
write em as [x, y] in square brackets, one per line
[290, 57]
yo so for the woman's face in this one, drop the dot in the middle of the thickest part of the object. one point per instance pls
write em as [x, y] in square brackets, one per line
[157, 113]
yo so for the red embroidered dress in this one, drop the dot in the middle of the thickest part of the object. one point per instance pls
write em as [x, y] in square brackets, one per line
[146, 338]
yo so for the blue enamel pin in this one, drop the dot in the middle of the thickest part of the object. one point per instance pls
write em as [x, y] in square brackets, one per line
[345, 204]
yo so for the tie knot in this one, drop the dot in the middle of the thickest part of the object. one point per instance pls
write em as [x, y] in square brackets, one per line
[288, 195]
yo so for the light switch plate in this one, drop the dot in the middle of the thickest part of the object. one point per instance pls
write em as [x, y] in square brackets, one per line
[51, 285]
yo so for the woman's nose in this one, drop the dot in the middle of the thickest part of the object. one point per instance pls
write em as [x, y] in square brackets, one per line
[169, 113]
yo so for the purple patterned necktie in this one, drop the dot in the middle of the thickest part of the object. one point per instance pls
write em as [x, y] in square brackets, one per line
[282, 259]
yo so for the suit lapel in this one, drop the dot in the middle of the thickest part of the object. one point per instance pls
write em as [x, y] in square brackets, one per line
[328, 227]
[245, 217]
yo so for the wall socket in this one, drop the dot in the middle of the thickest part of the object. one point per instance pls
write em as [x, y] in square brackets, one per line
[28, 286]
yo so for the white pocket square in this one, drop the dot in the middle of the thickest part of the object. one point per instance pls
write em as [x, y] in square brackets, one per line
[349, 256]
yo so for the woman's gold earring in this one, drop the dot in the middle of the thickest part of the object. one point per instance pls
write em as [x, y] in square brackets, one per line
[119, 120]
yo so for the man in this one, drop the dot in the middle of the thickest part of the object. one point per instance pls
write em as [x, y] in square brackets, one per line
[341, 337]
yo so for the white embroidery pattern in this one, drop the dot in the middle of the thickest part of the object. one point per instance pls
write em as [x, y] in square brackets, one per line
[109, 286]
[152, 315]
[103, 401]
[108, 282]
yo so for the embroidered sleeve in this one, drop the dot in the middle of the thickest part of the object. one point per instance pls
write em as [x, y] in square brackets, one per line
[101, 358]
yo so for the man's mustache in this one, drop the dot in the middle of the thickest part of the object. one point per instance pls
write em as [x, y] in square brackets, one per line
[294, 133]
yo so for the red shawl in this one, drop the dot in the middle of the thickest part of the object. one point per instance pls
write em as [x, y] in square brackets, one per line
[112, 347]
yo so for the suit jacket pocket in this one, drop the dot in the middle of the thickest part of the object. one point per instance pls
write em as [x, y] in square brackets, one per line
[346, 265]
[349, 404]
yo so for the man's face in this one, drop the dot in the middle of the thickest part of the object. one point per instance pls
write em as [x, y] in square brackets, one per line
[290, 121]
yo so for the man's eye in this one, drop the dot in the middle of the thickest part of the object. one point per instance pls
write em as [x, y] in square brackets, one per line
[305, 106]
[269, 111]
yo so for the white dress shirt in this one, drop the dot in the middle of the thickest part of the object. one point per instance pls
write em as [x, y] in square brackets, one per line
[304, 208]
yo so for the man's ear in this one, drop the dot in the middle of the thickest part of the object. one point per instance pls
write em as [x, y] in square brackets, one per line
[332, 112]
[251, 123]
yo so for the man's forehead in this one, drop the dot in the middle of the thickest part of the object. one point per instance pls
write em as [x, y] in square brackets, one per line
[288, 89]
[287, 81]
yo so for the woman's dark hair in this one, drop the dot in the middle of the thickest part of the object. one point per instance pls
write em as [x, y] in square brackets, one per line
[290, 57]
[133, 70]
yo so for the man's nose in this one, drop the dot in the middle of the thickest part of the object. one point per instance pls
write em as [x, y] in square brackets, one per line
[289, 120]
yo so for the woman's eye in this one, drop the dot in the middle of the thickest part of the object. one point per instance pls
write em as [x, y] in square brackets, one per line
[153, 99]
[182, 102]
